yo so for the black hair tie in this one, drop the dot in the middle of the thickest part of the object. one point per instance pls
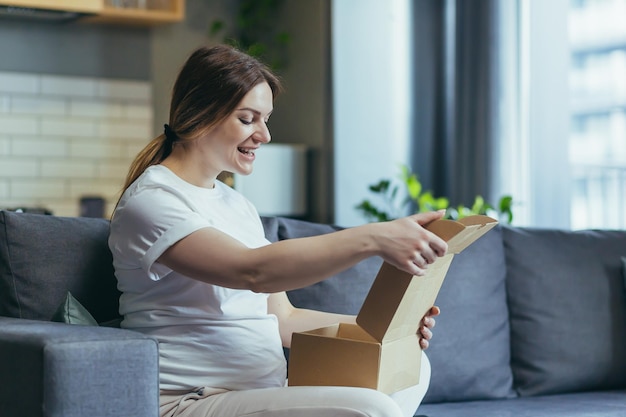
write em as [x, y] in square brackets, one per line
[170, 136]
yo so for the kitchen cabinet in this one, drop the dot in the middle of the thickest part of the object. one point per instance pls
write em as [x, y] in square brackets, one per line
[128, 12]
[139, 12]
[79, 6]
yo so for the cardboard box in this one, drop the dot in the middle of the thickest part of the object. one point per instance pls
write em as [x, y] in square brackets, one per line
[382, 350]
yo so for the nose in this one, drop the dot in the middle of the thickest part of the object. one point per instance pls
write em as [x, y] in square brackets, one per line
[263, 134]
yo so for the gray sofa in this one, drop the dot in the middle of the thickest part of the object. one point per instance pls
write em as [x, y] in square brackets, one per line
[533, 323]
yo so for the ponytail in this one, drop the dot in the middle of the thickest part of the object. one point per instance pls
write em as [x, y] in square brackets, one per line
[152, 154]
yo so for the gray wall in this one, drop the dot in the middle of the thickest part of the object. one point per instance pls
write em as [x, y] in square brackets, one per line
[304, 113]
[301, 115]
[75, 49]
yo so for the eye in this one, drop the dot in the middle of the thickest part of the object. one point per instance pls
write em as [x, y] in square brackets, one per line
[245, 121]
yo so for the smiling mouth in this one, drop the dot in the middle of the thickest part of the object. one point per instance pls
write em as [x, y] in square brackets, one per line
[244, 151]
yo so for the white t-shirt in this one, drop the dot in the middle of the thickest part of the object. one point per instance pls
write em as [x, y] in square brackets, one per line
[209, 336]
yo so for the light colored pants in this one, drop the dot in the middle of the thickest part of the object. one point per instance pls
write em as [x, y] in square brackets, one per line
[298, 401]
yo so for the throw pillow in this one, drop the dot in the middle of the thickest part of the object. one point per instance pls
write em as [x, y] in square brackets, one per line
[42, 257]
[72, 312]
[568, 310]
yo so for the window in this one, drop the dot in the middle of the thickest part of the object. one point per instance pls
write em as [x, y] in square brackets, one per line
[564, 161]
[597, 141]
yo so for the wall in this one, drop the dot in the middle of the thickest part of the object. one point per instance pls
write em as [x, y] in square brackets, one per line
[303, 114]
[74, 48]
[546, 117]
[75, 107]
[77, 104]
[371, 83]
[66, 137]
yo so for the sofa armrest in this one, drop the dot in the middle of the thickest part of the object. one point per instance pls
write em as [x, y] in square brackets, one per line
[61, 370]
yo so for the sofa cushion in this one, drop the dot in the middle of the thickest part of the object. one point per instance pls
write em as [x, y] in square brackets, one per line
[470, 350]
[587, 404]
[568, 309]
[43, 257]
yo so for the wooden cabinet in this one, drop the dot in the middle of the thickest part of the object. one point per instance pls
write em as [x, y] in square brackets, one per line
[129, 12]
[80, 6]
[140, 12]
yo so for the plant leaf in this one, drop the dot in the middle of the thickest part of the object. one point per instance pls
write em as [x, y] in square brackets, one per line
[216, 27]
[381, 187]
[414, 187]
[506, 207]
[478, 206]
[441, 203]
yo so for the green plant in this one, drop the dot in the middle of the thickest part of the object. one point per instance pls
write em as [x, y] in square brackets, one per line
[395, 201]
[255, 30]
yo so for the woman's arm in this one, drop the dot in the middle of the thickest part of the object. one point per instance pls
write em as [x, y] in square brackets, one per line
[214, 257]
[291, 319]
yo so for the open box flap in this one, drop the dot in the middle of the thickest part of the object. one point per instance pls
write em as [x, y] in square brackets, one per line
[397, 301]
[459, 234]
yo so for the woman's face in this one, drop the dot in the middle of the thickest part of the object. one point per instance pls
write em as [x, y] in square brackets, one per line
[231, 145]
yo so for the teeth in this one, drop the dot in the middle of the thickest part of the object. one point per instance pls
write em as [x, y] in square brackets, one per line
[245, 151]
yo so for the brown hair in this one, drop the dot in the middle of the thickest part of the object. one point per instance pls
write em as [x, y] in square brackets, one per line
[209, 86]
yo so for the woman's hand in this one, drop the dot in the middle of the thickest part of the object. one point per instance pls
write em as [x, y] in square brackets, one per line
[428, 322]
[407, 245]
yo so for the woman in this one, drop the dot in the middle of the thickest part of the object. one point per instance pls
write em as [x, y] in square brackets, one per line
[197, 273]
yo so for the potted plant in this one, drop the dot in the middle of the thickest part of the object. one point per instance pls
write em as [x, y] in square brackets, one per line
[256, 31]
[396, 196]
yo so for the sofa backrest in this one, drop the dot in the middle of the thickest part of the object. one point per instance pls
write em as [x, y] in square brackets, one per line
[43, 257]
